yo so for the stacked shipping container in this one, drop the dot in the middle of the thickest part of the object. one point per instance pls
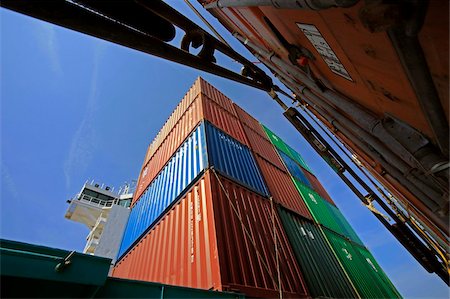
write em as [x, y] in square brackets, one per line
[223, 203]
[201, 216]
[358, 273]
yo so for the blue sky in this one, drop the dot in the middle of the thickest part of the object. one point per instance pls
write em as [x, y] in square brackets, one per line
[75, 108]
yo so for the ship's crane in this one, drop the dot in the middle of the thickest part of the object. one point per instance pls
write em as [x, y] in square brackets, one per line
[404, 162]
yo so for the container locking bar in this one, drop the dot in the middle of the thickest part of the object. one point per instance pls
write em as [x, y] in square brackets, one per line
[399, 229]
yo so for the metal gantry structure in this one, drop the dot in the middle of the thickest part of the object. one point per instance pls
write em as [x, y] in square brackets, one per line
[406, 155]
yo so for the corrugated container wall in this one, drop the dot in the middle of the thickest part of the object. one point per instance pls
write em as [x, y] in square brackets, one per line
[317, 207]
[182, 169]
[245, 233]
[190, 96]
[257, 138]
[217, 237]
[322, 271]
[181, 249]
[206, 147]
[249, 121]
[317, 186]
[223, 119]
[223, 203]
[364, 277]
[284, 147]
[187, 122]
[281, 187]
[294, 169]
[233, 159]
[325, 213]
[346, 227]
[378, 272]
[220, 113]
[218, 97]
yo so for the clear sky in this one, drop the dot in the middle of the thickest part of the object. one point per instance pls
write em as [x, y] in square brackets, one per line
[75, 108]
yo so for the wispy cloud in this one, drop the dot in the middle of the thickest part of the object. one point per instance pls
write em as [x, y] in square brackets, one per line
[8, 182]
[47, 40]
[84, 140]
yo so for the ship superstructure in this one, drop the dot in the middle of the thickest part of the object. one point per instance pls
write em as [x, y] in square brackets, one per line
[105, 214]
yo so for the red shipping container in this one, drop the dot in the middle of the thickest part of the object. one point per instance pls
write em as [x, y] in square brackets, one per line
[245, 225]
[223, 119]
[215, 95]
[213, 241]
[282, 188]
[263, 147]
[201, 108]
[173, 119]
[317, 186]
[250, 121]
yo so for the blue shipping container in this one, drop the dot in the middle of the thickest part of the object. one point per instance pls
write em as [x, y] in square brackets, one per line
[298, 157]
[206, 146]
[181, 170]
[233, 159]
[294, 169]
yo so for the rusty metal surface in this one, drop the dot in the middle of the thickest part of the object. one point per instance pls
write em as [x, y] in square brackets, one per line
[378, 80]
[374, 75]
[282, 188]
[434, 39]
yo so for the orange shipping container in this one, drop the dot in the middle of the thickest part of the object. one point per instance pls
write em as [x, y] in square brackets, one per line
[201, 108]
[187, 122]
[282, 188]
[213, 241]
[218, 97]
[250, 121]
[200, 86]
[223, 119]
[190, 96]
[257, 137]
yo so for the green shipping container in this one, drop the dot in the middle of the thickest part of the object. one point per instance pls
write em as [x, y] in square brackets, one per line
[378, 272]
[318, 207]
[366, 281]
[323, 274]
[345, 226]
[325, 213]
[281, 145]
